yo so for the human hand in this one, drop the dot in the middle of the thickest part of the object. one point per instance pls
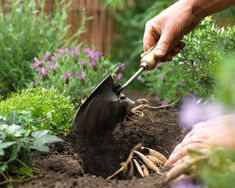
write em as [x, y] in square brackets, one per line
[218, 132]
[167, 29]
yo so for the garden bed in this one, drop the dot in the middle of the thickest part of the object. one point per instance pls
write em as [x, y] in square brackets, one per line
[74, 163]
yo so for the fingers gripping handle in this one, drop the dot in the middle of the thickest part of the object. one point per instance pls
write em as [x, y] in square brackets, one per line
[147, 59]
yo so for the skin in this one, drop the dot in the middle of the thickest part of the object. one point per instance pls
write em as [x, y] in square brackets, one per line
[166, 31]
[215, 133]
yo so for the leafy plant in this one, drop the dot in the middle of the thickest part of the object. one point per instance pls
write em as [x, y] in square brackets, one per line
[15, 145]
[219, 170]
[224, 88]
[75, 72]
[40, 108]
[27, 31]
[192, 71]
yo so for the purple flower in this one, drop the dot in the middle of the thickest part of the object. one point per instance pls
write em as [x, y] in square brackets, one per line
[74, 52]
[119, 76]
[121, 66]
[46, 56]
[92, 62]
[37, 63]
[82, 76]
[83, 62]
[63, 50]
[97, 54]
[42, 71]
[185, 183]
[92, 53]
[67, 75]
[52, 66]
[55, 56]
[194, 111]
[159, 65]
[87, 51]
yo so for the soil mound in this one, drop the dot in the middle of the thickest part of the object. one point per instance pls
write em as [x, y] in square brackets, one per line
[75, 163]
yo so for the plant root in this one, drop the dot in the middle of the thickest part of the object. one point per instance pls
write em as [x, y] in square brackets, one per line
[138, 163]
[147, 162]
[124, 165]
[138, 167]
[144, 104]
[154, 153]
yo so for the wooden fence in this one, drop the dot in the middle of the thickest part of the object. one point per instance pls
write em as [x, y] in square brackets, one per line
[100, 27]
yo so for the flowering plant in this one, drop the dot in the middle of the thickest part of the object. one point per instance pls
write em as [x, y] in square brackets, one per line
[74, 71]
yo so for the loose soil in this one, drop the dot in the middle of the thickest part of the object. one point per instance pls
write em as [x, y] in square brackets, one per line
[75, 163]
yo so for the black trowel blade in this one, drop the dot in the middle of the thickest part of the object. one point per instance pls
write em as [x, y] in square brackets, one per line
[101, 111]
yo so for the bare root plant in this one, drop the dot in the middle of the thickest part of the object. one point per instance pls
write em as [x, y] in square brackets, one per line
[141, 162]
[143, 104]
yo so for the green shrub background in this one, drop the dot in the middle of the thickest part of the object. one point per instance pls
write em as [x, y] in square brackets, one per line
[40, 108]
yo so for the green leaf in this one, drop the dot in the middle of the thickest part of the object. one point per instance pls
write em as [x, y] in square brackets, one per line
[4, 145]
[42, 138]
[25, 170]
[3, 167]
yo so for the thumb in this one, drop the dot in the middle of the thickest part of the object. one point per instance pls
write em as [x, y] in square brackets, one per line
[164, 44]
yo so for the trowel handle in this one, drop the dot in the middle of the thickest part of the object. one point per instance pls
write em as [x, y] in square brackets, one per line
[147, 59]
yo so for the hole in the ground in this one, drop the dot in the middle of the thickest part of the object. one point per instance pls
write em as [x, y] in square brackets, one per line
[103, 159]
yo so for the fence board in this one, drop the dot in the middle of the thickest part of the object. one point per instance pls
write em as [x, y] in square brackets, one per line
[100, 26]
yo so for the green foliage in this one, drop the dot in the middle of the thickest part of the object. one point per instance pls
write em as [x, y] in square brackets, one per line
[26, 32]
[15, 145]
[219, 170]
[73, 71]
[39, 109]
[192, 71]
[226, 17]
[225, 76]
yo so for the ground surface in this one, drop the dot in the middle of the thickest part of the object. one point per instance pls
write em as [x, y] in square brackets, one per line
[78, 164]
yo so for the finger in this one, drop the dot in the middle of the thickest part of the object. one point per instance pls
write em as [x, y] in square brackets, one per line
[164, 44]
[182, 160]
[183, 151]
[190, 143]
[168, 57]
[181, 45]
[150, 37]
[175, 51]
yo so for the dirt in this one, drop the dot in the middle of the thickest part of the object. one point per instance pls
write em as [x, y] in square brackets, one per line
[77, 163]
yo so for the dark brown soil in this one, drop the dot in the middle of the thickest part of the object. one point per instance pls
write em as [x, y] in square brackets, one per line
[75, 163]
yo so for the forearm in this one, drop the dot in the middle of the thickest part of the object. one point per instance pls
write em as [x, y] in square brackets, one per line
[203, 8]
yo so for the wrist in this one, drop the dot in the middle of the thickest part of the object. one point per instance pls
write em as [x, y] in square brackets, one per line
[200, 8]
[203, 8]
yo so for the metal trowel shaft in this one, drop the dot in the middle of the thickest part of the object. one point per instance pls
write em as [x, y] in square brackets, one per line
[147, 63]
[134, 76]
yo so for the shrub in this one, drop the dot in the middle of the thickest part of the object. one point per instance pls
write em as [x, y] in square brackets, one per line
[192, 71]
[74, 71]
[27, 31]
[15, 145]
[40, 108]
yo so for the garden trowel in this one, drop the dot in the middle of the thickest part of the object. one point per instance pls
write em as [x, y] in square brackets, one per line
[107, 105]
